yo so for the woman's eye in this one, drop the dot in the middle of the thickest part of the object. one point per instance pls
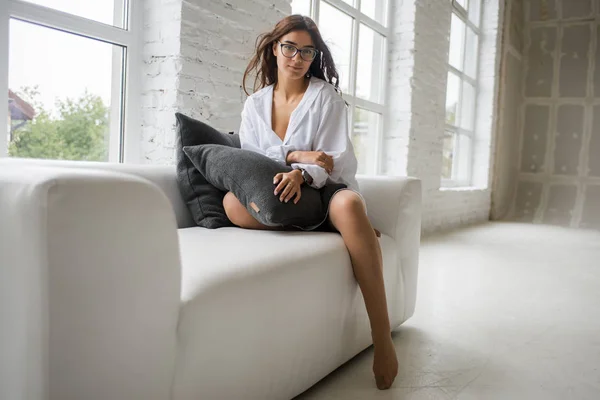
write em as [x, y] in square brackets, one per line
[289, 48]
[308, 52]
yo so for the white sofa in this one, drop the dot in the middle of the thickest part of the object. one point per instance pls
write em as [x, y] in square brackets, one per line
[109, 291]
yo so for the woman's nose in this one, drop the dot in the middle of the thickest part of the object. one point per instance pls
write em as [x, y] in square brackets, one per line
[297, 57]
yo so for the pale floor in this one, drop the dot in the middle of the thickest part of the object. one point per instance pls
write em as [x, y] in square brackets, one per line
[505, 311]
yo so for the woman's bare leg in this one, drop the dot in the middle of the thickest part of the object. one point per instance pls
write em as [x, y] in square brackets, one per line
[347, 214]
[237, 213]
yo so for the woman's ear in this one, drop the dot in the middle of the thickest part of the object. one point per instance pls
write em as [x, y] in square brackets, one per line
[275, 49]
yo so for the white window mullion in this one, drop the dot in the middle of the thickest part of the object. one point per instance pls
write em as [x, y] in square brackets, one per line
[476, 108]
[462, 75]
[452, 128]
[345, 7]
[456, 156]
[469, 165]
[116, 105]
[132, 141]
[472, 26]
[67, 22]
[459, 104]
[369, 105]
[314, 9]
[464, 53]
[353, 57]
[352, 110]
[466, 133]
[119, 61]
[4, 32]
[383, 99]
[376, 26]
[456, 162]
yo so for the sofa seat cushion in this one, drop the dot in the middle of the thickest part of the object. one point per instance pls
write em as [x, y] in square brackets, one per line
[269, 287]
[212, 257]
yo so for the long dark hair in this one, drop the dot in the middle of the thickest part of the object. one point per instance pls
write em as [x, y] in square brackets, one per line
[264, 62]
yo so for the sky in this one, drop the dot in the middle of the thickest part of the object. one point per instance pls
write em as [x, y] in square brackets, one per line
[62, 64]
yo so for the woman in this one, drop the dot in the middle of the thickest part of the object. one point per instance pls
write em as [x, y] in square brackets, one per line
[297, 117]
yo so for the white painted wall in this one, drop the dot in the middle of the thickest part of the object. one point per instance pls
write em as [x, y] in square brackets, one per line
[559, 169]
[506, 166]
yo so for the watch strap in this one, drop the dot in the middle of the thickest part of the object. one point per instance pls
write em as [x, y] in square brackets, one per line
[307, 178]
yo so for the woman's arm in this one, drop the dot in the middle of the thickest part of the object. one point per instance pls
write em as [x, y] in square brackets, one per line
[332, 138]
[248, 137]
[319, 158]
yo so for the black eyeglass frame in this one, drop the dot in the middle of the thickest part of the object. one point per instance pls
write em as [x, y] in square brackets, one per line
[315, 51]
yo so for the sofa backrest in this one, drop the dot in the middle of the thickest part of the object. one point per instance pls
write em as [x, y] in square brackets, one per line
[162, 176]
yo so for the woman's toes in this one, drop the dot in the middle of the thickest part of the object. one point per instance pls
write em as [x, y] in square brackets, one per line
[385, 365]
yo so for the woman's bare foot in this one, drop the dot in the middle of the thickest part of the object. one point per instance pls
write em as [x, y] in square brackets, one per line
[385, 363]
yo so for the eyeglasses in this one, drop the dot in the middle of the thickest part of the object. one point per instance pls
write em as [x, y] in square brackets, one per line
[290, 51]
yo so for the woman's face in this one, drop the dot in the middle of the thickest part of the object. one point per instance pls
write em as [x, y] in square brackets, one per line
[294, 66]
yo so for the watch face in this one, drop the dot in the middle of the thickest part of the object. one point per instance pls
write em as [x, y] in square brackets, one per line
[307, 177]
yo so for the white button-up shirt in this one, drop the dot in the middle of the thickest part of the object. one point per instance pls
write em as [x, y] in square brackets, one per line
[319, 123]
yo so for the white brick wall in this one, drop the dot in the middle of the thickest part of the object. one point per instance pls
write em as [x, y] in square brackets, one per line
[401, 61]
[418, 74]
[195, 54]
[162, 63]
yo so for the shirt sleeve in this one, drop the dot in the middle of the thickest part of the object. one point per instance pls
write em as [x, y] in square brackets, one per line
[248, 136]
[331, 138]
[279, 153]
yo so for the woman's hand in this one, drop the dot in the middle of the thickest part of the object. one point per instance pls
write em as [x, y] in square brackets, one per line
[289, 185]
[311, 157]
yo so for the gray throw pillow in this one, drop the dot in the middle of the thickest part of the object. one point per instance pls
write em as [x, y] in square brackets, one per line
[249, 175]
[204, 200]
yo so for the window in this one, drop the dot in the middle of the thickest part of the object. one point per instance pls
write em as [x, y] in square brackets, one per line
[356, 33]
[66, 65]
[461, 93]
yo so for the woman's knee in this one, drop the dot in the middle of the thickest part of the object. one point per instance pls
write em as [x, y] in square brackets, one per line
[347, 202]
[238, 214]
[234, 210]
[347, 210]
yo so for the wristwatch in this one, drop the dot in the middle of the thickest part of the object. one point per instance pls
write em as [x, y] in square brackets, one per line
[306, 176]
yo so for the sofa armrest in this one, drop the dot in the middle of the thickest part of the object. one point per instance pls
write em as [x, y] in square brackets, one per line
[393, 205]
[89, 285]
[394, 208]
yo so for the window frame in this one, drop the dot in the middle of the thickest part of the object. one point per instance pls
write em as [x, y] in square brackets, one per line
[463, 14]
[375, 165]
[124, 137]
